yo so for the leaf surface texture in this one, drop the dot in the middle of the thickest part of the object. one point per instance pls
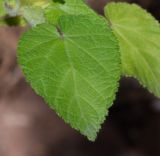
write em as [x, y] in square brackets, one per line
[75, 66]
[139, 39]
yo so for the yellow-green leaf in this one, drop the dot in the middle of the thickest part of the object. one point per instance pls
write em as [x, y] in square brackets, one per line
[138, 33]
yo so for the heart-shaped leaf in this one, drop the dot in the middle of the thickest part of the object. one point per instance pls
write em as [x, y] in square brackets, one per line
[75, 66]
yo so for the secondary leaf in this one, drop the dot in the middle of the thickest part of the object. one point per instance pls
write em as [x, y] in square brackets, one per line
[70, 7]
[139, 37]
[75, 66]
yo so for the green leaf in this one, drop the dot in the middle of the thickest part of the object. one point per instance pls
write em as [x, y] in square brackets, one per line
[71, 7]
[75, 66]
[76, 7]
[139, 39]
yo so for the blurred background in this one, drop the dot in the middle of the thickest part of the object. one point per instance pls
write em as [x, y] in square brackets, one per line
[28, 127]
